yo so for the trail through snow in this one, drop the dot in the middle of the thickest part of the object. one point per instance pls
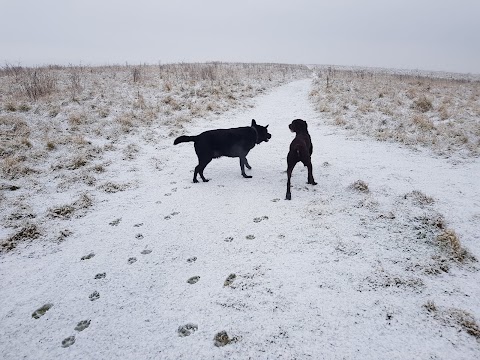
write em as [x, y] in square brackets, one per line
[330, 274]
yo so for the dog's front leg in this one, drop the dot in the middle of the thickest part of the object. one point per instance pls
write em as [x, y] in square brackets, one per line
[243, 162]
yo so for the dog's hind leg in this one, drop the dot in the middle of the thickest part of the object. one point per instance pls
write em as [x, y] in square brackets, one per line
[247, 164]
[310, 174]
[288, 196]
[243, 163]
[199, 169]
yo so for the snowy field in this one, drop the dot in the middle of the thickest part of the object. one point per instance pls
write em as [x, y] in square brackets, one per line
[110, 251]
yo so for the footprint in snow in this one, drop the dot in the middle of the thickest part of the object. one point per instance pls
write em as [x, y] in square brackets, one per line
[168, 217]
[41, 311]
[222, 339]
[192, 259]
[138, 225]
[69, 341]
[229, 280]
[115, 222]
[82, 325]
[250, 237]
[275, 200]
[100, 276]
[258, 219]
[131, 260]
[87, 257]
[229, 239]
[193, 280]
[146, 252]
[94, 296]
[187, 330]
[139, 236]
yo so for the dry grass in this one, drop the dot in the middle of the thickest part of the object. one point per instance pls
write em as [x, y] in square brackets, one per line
[452, 317]
[450, 242]
[360, 186]
[437, 111]
[67, 211]
[57, 123]
[26, 233]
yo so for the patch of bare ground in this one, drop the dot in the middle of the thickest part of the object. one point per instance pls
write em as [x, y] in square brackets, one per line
[432, 110]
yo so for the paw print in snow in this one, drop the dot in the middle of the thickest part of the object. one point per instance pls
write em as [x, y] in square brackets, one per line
[41, 311]
[69, 341]
[100, 276]
[94, 296]
[82, 325]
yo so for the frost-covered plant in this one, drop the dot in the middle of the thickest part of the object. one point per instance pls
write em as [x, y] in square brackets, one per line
[434, 110]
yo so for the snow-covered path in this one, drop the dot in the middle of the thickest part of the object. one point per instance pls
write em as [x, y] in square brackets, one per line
[334, 273]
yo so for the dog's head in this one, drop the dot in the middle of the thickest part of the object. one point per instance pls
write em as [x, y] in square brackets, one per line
[298, 126]
[262, 132]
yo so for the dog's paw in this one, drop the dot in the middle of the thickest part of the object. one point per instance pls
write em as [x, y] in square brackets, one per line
[288, 197]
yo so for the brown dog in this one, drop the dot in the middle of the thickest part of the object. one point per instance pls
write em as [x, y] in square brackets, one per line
[301, 150]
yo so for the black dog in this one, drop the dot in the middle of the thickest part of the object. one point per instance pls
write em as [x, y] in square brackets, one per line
[235, 142]
[301, 150]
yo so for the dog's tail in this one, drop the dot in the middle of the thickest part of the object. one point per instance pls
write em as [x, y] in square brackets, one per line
[184, 138]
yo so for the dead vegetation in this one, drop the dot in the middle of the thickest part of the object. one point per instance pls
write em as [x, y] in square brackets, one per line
[437, 111]
[76, 208]
[430, 232]
[360, 186]
[57, 123]
[27, 233]
[453, 317]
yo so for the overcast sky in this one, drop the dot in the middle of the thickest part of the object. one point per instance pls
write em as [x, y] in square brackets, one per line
[408, 34]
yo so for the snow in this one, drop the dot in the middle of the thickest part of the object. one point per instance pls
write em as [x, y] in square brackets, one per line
[334, 273]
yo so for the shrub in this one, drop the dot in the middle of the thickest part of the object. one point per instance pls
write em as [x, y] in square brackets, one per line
[37, 83]
[422, 104]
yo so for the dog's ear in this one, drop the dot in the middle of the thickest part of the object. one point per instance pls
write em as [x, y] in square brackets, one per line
[253, 122]
[306, 126]
[266, 126]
